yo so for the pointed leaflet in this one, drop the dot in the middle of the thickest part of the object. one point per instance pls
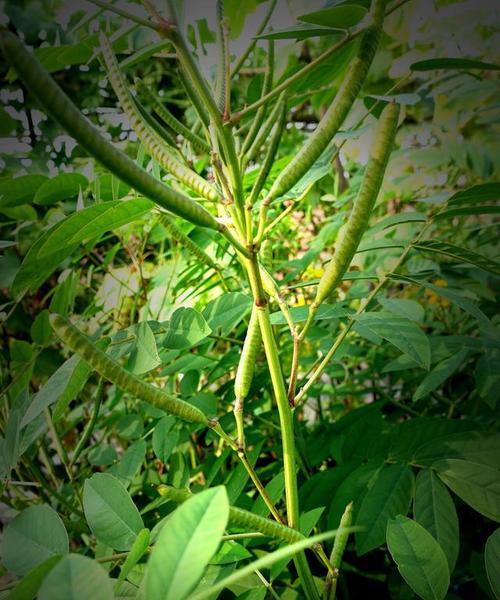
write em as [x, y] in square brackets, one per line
[481, 447]
[261, 563]
[56, 104]
[63, 386]
[478, 485]
[434, 510]
[62, 187]
[439, 374]
[460, 254]
[406, 335]
[464, 303]
[58, 242]
[186, 543]
[27, 588]
[144, 356]
[186, 328]
[110, 512]
[76, 577]
[492, 561]
[36, 534]
[389, 496]
[420, 559]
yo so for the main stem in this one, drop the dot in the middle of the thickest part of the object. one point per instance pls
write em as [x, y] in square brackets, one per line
[286, 421]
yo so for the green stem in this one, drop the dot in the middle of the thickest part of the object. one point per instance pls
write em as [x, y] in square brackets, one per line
[330, 354]
[200, 86]
[123, 13]
[245, 55]
[286, 421]
[284, 85]
[90, 425]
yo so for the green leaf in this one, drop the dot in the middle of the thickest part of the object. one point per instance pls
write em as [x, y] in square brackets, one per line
[110, 512]
[144, 356]
[20, 190]
[62, 387]
[226, 311]
[58, 242]
[390, 495]
[76, 577]
[28, 587]
[165, 440]
[261, 563]
[185, 329]
[130, 462]
[352, 489]
[453, 295]
[475, 446]
[299, 314]
[35, 535]
[487, 377]
[409, 309]
[492, 562]
[478, 193]
[434, 509]
[339, 17]
[137, 551]
[7, 123]
[319, 169]
[399, 331]
[185, 545]
[62, 187]
[460, 254]
[230, 552]
[300, 31]
[439, 374]
[41, 331]
[453, 63]
[236, 11]
[398, 219]
[477, 485]
[419, 557]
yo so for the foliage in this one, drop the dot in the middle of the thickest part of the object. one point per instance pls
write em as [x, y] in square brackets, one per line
[198, 402]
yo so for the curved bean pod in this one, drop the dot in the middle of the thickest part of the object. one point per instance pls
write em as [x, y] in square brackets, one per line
[240, 517]
[152, 141]
[268, 162]
[162, 111]
[187, 242]
[346, 246]
[244, 374]
[265, 129]
[58, 106]
[337, 112]
[108, 368]
[261, 113]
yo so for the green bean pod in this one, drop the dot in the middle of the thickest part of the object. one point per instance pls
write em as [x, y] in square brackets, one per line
[244, 373]
[269, 158]
[152, 141]
[58, 106]
[266, 254]
[136, 552]
[162, 111]
[108, 368]
[187, 242]
[240, 517]
[338, 110]
[265, 130]
[166, 136]
[348, 242]
[341, 538]
[261, 113]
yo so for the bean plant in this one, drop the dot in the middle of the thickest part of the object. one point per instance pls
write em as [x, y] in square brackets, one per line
[206, 408]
